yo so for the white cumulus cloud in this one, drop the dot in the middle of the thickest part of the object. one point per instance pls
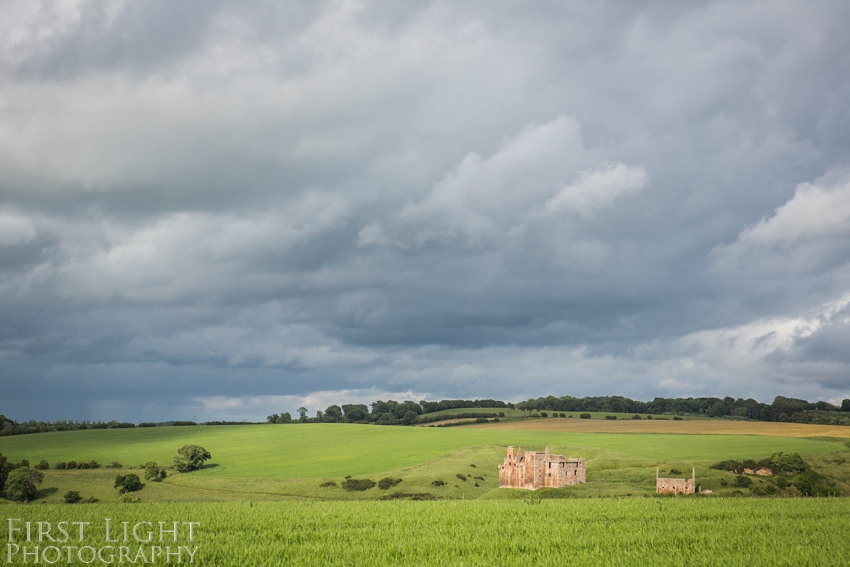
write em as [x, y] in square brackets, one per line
[598, 188]
[15, 229]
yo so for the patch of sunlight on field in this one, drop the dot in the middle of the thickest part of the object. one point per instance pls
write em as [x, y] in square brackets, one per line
[330, 450]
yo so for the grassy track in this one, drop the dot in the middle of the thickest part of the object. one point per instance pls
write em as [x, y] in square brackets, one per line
[331, 450]
[613, 532]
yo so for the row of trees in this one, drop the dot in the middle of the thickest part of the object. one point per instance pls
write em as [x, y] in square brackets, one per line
[409, 412]
[782, 408]
[382, 413]
[12, 427]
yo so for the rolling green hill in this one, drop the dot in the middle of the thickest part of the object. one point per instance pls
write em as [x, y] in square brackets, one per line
[330, 450]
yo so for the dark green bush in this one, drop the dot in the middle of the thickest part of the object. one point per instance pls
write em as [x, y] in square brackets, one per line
[358, 484]
[460, 476]
[43, 465]
[327, 484]
[677, 418]
[387, 483]
[610, 417]
[72, 497]
[127, 483]
[72, 464]
[408, 496]
[147, 424]
[584, 416]
[788, 462]
[636, 416]
[438, 483]
[115, 465]
[60, 465]
[809, 483]
[730, 466]
[743, 481]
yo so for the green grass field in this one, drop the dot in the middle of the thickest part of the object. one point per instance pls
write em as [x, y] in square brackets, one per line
[328, 450]
[275, 462]
[612, 531]
[260, 500]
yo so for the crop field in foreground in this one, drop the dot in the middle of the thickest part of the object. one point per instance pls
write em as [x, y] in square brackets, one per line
[644, 531]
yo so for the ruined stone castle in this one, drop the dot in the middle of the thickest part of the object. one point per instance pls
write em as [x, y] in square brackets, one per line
[533, 470]
[676, 485]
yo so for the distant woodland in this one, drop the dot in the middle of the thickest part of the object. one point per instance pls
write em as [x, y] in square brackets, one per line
[391, 412]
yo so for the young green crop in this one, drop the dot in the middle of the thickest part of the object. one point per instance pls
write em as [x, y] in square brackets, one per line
[645, 531]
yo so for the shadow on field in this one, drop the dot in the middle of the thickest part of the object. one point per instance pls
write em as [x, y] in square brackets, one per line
[45, 492]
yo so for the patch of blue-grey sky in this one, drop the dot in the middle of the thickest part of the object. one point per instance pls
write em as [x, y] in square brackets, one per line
[228, 209]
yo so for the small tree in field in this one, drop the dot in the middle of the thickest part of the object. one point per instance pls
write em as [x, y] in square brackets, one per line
[154, 471]
[190, 458]
[5, 468]
[72, 497]
[127, 483]
[22, 484]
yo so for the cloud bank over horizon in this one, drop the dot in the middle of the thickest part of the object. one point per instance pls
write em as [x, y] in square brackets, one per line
[231, 209]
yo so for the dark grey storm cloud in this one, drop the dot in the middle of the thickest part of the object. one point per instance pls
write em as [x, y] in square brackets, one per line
[224, 209]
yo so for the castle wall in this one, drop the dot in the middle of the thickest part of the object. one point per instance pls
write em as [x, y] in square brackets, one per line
[533, 470]
[675, 485]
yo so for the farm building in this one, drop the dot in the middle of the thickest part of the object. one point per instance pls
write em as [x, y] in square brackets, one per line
[675, 485]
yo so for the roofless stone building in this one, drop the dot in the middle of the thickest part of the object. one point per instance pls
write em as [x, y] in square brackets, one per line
[676, 485]
[532, 470]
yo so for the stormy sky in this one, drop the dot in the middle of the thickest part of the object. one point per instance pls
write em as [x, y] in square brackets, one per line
[226, 209]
